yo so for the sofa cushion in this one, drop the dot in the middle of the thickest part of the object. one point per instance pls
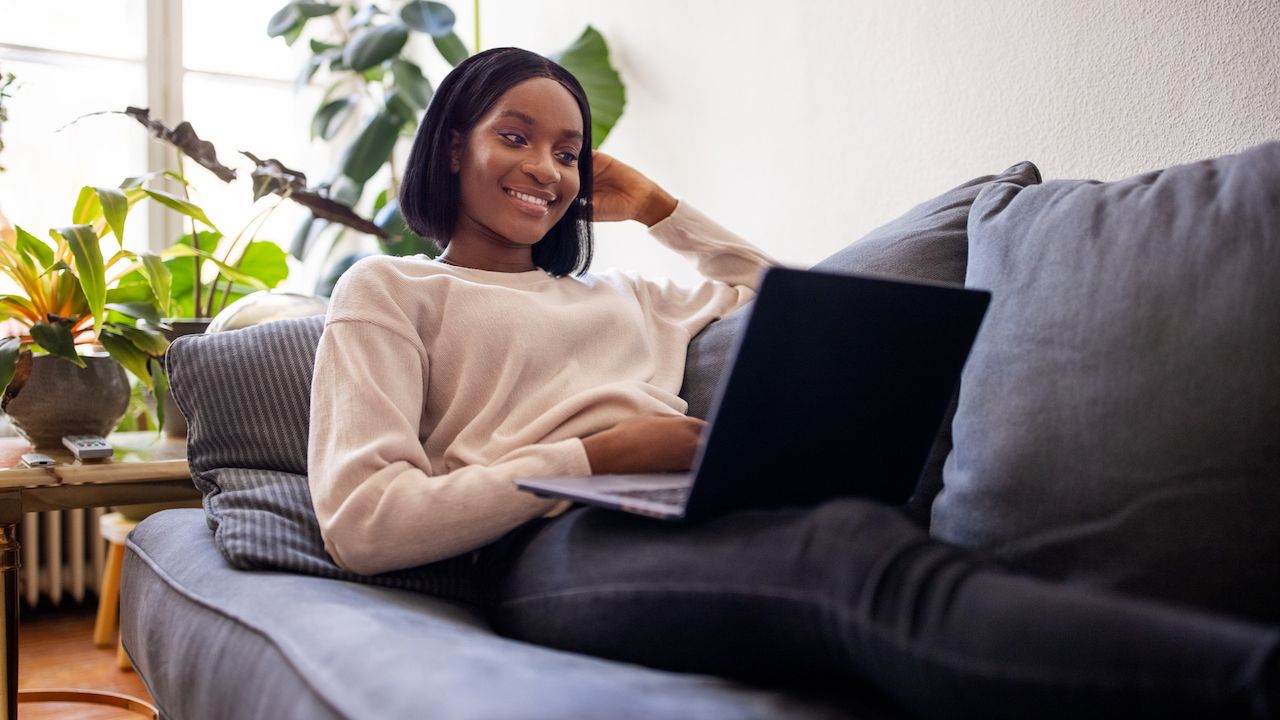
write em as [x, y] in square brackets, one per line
[928, 242]
[1118, 416]
[213, 643]
[246, 395]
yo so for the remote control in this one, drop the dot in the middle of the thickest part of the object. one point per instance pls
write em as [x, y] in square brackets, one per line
[37, 460]
[88, 447]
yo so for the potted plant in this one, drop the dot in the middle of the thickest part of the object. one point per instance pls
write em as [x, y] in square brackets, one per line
[65, 374]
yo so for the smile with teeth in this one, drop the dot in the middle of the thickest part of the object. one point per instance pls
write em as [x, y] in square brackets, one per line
[528, 198]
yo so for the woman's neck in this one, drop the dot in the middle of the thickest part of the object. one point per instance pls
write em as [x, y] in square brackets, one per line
[486, 252]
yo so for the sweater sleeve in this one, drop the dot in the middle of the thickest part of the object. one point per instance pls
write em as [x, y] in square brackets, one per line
[717, 253]
[380, 503]
[733, 268]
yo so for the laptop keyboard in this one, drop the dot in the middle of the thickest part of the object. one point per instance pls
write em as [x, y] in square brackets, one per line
[669, 496]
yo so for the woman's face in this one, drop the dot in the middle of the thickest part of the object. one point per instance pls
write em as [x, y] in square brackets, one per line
[518, 167]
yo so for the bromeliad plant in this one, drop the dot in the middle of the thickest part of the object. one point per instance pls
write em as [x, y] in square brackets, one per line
[74, 296]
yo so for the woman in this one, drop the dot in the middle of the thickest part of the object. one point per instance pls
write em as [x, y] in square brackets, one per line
[437, 383]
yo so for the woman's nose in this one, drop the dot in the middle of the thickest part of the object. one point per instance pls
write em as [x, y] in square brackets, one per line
[543, 169]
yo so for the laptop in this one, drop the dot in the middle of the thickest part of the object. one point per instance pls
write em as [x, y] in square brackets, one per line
[838, 387]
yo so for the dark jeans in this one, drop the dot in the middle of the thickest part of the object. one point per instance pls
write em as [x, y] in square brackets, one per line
[851, 589]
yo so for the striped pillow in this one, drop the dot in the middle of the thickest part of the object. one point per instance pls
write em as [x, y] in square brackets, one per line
[246, 395]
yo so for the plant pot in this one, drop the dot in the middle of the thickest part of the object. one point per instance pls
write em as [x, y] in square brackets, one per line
[59, 398]
[175, 424]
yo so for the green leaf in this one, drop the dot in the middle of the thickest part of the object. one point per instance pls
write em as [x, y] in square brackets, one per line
[433, 18]
[123, 351]
[298, 248]
[374, 74]
[18, 301]
[451, 48]
[186, 207]
[136, 182]
[290, 18]
[87, 209]
[137, 310]
[346, 191]
[318, 47]
[147, 340]
[115, 207]
[10, 348]
[264, 261]
[56, 339]
[403, 108]
[161, 389]
[89, 268]
[309, 10]
[285, 19]
[130, 293]
[402, 240]
[380, 201]
[588, 60]
[410, 81]
[372, 45]
[308, 70]
[35, 247]
[159, 279]
[364, 16]
[372, 147]
[226, 270]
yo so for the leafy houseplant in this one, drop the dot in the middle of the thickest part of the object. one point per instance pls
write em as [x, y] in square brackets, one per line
[369, 73]
[71, 299]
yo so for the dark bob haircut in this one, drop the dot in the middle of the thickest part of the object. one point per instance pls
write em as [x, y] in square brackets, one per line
[429, 193]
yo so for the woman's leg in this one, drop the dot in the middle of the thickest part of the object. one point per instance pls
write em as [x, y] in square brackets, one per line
[852, 588]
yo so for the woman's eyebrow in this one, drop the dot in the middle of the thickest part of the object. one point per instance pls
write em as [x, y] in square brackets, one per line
[528, 120]
[519, 116]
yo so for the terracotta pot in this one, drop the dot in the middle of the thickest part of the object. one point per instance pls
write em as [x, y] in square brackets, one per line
[59, 399]
[175, 424]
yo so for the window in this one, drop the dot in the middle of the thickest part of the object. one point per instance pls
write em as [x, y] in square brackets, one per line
[210, 63]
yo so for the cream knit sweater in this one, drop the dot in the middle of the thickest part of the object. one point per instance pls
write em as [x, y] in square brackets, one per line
[436, 387]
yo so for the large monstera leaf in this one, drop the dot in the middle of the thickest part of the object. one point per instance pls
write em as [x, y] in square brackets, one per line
[588, 59]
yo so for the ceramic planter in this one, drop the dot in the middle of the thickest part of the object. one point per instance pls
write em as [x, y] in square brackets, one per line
[175, 424]
[60, 398]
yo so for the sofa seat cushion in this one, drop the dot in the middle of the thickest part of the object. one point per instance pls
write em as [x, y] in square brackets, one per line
[216, 642]
[1119, 417]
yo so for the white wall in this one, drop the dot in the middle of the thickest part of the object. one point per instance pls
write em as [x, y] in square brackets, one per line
[802, 125]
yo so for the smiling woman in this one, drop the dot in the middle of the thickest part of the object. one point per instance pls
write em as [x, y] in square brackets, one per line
[518, 172]
[502, 164]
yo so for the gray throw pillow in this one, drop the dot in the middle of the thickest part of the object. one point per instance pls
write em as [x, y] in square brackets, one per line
[246, 395]
[928, 242]
[1119, 418]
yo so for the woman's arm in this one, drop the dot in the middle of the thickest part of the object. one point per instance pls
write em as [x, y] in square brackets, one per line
[380, 502]
[623, 193]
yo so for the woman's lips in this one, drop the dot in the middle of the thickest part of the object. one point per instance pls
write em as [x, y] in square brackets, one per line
[532, 204]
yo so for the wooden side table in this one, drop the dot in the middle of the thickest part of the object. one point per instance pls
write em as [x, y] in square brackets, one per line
[146, 468]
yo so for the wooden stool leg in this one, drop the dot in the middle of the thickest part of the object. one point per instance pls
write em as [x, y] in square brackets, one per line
[109, 597]
[122, 657]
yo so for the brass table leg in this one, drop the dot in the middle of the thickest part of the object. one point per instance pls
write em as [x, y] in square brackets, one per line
[10, 514]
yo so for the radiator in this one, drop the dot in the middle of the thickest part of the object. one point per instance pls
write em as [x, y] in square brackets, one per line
[62, 555]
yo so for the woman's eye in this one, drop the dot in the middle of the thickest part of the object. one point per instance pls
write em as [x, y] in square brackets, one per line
[513, 138]
[568, 158]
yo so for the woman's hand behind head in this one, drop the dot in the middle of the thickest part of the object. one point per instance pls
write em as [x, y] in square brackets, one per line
[623, 193]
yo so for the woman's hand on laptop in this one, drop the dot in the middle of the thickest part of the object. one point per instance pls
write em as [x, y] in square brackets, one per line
[645, 444]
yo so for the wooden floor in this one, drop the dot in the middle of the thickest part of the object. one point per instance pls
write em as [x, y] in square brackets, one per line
[56, 651]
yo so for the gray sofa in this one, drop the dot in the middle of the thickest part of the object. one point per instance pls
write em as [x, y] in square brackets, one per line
[1115, 427]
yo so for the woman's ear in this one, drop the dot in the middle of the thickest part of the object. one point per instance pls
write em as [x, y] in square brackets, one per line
[455, 151]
